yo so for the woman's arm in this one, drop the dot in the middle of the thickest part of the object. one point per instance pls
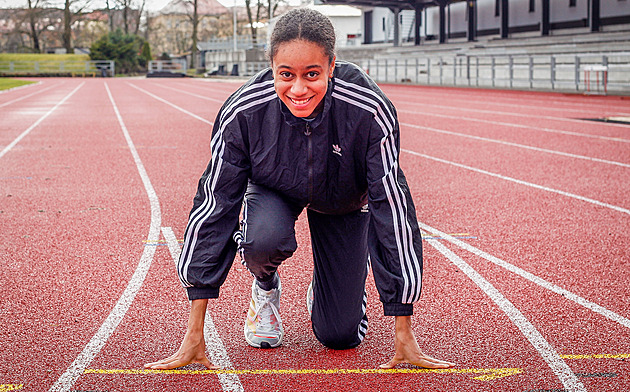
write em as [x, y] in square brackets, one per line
[193, 346]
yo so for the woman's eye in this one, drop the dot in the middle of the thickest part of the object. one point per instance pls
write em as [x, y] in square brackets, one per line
[312, 74]
[285, 74]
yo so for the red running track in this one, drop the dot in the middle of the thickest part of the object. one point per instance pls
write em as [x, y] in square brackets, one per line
[524, 203]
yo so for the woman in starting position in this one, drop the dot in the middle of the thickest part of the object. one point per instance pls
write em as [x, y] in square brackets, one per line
[308, 133]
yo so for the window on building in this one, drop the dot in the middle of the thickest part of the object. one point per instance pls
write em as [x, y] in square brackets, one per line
[497, 7]
[572, 3]
[532, 5]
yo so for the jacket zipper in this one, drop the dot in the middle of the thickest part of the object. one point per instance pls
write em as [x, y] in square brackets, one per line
[309, 144]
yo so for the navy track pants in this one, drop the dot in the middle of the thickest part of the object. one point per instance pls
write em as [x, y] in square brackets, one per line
[340, 256]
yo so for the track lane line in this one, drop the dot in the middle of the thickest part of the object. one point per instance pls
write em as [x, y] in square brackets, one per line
[26, 96]
[501, 113]
[547, 352]
[586, 106]
[220, 101]
[518, 145]
[95, 345]
[517, 125]
[172, 105]
[214, 345]
[528, 275]
[42, 118]
[529, 184]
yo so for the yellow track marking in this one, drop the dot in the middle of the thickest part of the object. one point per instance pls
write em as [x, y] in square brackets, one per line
[595, 356]
[10, 387]
[483, 374]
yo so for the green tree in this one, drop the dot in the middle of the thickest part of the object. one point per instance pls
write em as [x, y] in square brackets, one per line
[123, 48]
[145, 55]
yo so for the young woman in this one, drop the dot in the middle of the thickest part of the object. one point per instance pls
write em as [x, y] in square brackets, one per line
[308, 133]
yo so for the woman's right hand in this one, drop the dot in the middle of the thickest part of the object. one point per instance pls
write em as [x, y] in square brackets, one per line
[193, 347]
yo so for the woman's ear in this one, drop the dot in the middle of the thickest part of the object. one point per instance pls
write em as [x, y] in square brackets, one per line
[332, 68]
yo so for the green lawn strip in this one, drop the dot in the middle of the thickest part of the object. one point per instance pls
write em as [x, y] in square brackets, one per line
[43, 57]
[35, 64]
[8, 83]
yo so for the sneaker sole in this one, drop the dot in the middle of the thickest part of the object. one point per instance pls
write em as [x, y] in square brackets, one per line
[262, 344]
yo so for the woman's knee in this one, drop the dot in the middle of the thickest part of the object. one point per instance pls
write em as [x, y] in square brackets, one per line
[338, 340]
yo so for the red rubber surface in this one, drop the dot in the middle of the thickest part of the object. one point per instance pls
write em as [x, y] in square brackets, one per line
[75, 218]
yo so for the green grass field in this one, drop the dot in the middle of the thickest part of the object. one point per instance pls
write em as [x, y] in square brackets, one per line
[43, 57]
[12, 64]
[7, 83]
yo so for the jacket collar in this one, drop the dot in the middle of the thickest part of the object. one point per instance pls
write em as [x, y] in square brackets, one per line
[293, 121]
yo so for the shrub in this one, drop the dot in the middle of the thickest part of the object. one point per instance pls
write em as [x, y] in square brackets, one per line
[120, 47]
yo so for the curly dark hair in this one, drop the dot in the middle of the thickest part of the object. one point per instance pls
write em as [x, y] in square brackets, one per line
[305, 24]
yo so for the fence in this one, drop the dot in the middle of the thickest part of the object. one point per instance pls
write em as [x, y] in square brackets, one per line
[104, 68]
[588, 73]
[167, 66]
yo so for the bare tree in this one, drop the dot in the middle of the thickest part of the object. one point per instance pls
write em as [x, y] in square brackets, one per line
[253, 22]
[254, 19]
[37, 21]
[73, 9]
[110, 14]
[195, 25]
[139, 17]
[272, 7]
[191, 8]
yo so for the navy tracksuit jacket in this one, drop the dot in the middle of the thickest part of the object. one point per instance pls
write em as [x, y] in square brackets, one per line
[344, 159]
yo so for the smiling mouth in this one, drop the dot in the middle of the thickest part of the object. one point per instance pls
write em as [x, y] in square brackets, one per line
[300, 102]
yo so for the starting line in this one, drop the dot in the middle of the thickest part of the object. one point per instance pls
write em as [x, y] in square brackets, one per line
[483, 374]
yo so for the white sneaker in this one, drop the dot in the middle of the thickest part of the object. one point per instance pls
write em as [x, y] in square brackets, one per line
[309, 298]
[263, 326]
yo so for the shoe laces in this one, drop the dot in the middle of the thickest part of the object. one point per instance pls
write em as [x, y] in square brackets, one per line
[266, 313]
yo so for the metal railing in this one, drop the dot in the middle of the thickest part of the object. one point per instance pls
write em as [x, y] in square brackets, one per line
[588, 73]
[103, 68]
[170, 66]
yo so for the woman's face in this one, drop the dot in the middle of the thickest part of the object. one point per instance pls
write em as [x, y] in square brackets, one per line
[301, 71]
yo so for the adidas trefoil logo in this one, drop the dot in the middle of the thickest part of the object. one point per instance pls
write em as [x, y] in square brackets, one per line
[336, 149]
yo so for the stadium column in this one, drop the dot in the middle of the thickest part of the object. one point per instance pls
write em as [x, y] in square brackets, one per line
[505, 20]
[472, 19]
[442, 4]
[418, 23]
[546, 26]
[396, 12]
[595, 21]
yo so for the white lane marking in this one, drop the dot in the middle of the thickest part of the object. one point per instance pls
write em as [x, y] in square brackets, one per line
[547, 352]
[516, 125]
[171, 243]
[541, 187]
[94, 346]
[23, 134]
[511, 144]
[214, 344]
[529, 276]
[172, 105]
[221, 101]
[26, 96]
[582, 111]
[219, 356]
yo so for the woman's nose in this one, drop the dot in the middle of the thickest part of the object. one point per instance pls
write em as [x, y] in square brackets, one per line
[299, 87]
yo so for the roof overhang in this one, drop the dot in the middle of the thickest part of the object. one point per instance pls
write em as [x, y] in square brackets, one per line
[401, 4]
